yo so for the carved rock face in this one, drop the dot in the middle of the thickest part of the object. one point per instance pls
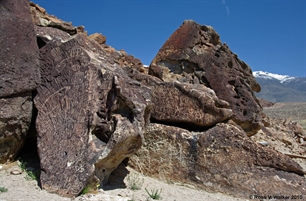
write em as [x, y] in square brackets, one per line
[19, 75]
[220, 159]
[90, 115]
[183, 104]
[194, 54]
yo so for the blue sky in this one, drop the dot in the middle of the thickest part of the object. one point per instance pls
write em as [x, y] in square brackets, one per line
[268, 35]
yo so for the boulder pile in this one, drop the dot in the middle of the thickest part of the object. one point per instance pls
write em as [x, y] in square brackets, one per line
[188, 118]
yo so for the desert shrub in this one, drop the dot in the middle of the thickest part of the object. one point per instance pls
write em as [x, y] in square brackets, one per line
[155, 194]
[134, 182]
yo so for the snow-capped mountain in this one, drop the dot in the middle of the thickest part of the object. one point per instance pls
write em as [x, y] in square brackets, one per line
[267, 75]
[281, 88]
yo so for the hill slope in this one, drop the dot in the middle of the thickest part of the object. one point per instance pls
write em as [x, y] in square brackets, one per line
[281, 88]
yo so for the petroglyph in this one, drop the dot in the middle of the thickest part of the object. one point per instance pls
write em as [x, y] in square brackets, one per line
[183, 103]
[82, 103]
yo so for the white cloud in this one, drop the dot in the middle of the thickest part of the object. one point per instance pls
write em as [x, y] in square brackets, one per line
[227, 11]
[226, 7]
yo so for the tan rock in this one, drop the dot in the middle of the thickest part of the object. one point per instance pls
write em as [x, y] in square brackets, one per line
[98, 37]
[220, 159]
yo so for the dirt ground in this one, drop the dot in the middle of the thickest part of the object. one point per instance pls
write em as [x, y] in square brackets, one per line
[20, 188]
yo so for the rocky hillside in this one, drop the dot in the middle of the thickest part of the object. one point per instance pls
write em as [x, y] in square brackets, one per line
[189, 118]
[281, 88]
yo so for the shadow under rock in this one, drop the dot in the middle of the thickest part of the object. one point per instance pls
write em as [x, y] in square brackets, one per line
[116, 179]
[29, 160]
[28, 155]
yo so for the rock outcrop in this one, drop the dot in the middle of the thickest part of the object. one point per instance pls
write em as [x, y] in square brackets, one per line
[19, 75]
[216, 156]
[49, 27]
[41, 18]
[195, 54]
[91, 116]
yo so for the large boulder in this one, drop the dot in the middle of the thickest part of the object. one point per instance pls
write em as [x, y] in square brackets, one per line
[91, 115]
[220, 159]
[194, 54]
[19, 75]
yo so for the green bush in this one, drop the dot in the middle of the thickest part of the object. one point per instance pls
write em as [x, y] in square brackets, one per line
[3, 189]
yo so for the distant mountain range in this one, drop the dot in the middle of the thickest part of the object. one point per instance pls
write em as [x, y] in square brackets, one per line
[281, 88]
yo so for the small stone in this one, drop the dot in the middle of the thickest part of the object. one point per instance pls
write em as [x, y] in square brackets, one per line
[15, 172]
[264, 143]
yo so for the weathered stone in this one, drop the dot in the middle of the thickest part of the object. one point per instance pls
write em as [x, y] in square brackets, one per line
[194, 54]
[19, 71]
[91, 115]
[98, 37]
[186, 105]
[125, 60]
[15, 119]
[47, 34]
[221, 159]
[41, 18]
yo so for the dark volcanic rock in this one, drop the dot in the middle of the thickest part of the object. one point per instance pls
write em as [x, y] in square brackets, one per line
[15, 119]
[90, 115]
[194, 54]
[19, 75]
[185, 105]
[19, 70]
[220, 159]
